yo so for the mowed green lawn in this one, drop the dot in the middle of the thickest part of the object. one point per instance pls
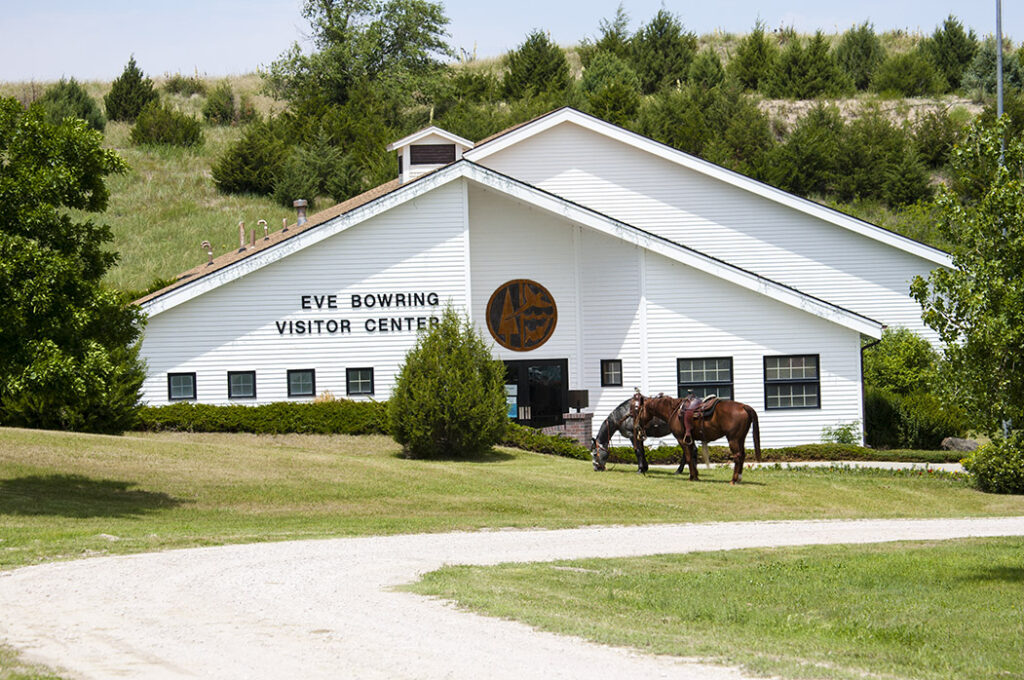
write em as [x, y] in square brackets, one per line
[951, 610]
[66, 495]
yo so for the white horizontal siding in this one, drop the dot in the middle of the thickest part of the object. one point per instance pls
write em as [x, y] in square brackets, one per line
[689, 314]
[749, 231]
[415, 247]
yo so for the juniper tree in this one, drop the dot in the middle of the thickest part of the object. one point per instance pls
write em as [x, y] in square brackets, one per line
[449, 395]
[536, 66]
[69, 98]
[706, 70]
[615, 39]
[859, 53]
[951, 50]
[755, 59]
[129, 93]
[662, 52]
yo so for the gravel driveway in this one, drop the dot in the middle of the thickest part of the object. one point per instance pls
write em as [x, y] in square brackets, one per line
[324, 609]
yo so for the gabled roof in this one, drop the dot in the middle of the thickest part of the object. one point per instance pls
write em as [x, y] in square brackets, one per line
[518, 133]
[359, 210]
[426, 132]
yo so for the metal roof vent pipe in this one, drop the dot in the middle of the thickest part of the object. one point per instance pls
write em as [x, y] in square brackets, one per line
[300, 205]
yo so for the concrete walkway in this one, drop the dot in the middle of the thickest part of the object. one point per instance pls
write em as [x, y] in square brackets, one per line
[326, 609]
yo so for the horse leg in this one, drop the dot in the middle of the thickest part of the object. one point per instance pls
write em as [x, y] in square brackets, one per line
[739, 455]
[693, 462]
[641, 457]
[686, 457]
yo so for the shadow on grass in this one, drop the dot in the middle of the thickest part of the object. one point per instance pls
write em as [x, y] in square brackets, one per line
[78, 496]
[489, 456]
[1008, 574]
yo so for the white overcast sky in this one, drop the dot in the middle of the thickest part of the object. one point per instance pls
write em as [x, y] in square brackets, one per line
[91, 39]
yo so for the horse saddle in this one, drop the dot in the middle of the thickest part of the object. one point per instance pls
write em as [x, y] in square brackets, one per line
[694, 408]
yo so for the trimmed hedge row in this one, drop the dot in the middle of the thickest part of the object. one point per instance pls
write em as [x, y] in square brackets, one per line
[673, 455]
[327, 417]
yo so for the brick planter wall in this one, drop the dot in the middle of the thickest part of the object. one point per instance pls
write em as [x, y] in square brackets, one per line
[577, 426]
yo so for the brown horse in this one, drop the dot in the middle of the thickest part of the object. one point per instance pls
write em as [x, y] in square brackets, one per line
[731, 420]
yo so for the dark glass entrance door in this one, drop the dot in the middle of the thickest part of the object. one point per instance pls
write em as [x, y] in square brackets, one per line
[540, 388]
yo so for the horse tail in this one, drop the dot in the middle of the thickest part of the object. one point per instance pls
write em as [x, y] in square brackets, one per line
[757, 432]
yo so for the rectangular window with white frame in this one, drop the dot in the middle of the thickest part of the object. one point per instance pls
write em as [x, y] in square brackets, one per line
[241, 384]
[705, 376]
[302, 383]
[611, 373]
[181, 386]
[792, 382]
[358, 381]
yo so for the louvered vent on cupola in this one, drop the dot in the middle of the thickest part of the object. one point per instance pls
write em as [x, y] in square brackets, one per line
[427, 150]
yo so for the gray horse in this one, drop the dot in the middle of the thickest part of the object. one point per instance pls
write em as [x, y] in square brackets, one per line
[620, 421]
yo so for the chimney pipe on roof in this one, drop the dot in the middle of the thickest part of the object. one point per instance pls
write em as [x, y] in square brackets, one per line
[241, 236]
[266, 229]
[300, 205]
[284, 224]
[209, 251]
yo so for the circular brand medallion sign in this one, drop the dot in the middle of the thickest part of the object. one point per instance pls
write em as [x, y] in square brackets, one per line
[521, 315]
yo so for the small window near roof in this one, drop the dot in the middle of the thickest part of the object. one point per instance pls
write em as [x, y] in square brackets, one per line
[792, 382]
[359, 381]
[431, 154]
[181, 386]
[241, 384]
[611, 373]
[302, 383]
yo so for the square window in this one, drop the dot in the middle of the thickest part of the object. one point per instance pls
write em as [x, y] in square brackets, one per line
[241, 384]
[302, 383]
[181, 386]
[611, 373]
[792, 382]
[359, 381]
[705, 377]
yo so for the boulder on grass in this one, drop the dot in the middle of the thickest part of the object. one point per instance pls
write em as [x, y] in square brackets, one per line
[957, 444]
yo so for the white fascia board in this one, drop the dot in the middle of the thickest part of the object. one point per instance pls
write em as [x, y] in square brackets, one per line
[691, 258]
[735, 179]
[303, 240]
[426, 132]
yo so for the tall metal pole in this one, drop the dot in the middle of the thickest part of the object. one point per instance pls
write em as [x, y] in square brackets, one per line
[999, 73]
[999, 57]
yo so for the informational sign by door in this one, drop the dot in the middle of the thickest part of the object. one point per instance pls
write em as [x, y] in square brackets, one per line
[512, 399]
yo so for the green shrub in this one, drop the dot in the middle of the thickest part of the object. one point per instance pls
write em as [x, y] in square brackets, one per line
[807, 72]
[612, 88]
[980, 75]
[68, 99]
[321, 417]
[807, 163]
[536, 66]
[755, 59]
[998, 467]
[908, 75]
[129, 94]
[219, 108]
[662, 51]
[914, 421]
[706, 70]
[160, 124]
[859, 53]
[314, 169]
[449, 396]
[848, 433]
[529, 439]
[672, 455]
[906, 180]
[185, 85]
[901, 362]
[935, 133]
[251, 164]
[951, 50]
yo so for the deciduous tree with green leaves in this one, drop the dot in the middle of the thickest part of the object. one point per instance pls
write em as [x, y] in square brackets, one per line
[977, 307]
[68, 358]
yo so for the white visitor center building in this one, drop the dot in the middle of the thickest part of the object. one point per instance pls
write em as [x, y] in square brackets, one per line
[594, 258]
